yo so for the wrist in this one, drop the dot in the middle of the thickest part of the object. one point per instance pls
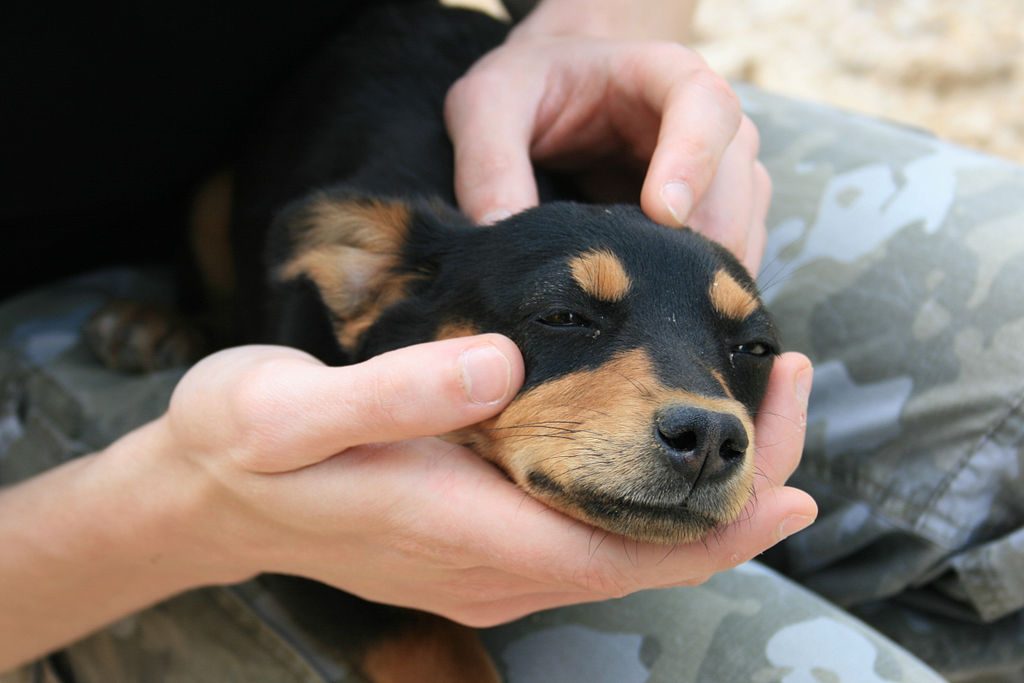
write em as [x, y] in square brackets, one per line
[98, 538]
[640, 20]
[160, 512]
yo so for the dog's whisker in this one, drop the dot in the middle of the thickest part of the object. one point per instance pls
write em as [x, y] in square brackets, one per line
[671, 550]
[770, 413]
[604, 537]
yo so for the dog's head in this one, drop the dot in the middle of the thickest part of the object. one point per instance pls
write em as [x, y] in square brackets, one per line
[647, 349]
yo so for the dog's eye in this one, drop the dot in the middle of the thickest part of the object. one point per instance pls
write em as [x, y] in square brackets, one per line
[563, 319]
[757, 349]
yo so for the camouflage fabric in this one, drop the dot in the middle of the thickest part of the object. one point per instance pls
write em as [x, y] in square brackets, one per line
[894, 260]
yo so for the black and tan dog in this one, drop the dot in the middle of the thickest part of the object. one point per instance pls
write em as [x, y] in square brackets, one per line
[647, 349]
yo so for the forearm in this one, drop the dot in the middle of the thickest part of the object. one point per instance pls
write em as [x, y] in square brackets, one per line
[625, 19]
[93, 540]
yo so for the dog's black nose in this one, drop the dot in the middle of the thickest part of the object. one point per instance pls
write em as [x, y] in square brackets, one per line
[701, 442]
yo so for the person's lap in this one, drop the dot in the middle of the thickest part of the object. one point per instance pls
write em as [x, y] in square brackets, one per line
[896, 262]
[892, 261]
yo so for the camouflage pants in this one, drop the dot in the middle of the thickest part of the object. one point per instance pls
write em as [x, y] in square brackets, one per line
[894, 261]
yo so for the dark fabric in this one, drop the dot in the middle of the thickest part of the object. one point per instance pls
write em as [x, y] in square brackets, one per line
[112, 112]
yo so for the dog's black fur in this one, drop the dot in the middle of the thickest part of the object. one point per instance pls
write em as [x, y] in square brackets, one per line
[647, 350]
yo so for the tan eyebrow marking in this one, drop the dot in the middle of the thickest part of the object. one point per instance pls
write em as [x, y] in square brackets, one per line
[730, 298]
[722, 383]
[601, 275]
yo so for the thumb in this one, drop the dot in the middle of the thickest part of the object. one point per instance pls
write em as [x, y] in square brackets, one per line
[421, 390]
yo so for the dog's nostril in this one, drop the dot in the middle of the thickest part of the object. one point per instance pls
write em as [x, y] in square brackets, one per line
[731, 450]
[685, 441]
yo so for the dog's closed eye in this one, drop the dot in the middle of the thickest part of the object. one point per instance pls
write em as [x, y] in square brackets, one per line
[564, 318]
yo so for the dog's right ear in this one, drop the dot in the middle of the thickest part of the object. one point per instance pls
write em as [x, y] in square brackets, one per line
[355, 250]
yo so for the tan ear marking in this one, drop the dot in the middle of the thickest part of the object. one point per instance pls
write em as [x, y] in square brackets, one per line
[730, 298]
[350, 250]
[373, 225]
[601, 275]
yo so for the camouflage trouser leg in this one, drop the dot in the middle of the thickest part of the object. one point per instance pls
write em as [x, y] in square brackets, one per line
[894, 262]
[897, 263]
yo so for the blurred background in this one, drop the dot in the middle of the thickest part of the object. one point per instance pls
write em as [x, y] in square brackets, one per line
[952, 67]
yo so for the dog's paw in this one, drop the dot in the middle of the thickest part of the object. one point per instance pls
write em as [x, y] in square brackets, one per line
[131, 336]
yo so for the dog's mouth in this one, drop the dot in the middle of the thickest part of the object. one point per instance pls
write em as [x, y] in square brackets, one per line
[656, 516]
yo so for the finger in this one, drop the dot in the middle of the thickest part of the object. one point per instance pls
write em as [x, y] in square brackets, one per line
[490, 124]
[725, 213]
[771, 517]
[608, 566]
[758, 235]
[572, 557]
[781, 422]
[700, 118]
[304, 413]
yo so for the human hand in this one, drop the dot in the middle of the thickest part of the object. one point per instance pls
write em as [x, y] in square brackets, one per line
[612, 112]
[291, 474]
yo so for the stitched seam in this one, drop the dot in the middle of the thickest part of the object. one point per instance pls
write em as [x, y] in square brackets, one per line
[854, 484]
[1015, 407]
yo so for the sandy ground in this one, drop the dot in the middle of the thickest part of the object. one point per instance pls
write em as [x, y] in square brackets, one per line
[953, 67]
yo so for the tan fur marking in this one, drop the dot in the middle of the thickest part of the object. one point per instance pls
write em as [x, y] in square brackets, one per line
[594, 427]
[730, 298]
[349, 249]
[722, 383]
[454, 329]
[371, 225]
[209, 235]
[433, 650]
[601, 275]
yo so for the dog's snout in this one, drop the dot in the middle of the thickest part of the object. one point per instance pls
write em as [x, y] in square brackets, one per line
[701, 443]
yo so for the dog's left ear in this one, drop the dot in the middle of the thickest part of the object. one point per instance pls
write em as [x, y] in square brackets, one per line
[355, 250]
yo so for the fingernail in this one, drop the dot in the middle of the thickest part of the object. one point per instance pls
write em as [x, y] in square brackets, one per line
[791, 525]
[486, 374]
[495, 216]
[678, 198]
[804, 382]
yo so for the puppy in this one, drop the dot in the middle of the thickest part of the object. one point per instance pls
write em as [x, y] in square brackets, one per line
[647, 348]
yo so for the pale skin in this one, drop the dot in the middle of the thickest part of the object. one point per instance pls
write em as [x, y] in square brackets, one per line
[267, 461]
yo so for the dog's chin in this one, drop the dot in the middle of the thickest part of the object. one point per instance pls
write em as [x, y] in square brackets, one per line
[661, 519]
[640, 501]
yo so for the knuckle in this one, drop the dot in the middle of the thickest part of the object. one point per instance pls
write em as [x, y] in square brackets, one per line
[255, 401]
[253, 394]
[484, 166]
[721, 92]
[458, 94]
[674, 55]
[385, 396]
[749, 136]
[466, 93]
[762, 178]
